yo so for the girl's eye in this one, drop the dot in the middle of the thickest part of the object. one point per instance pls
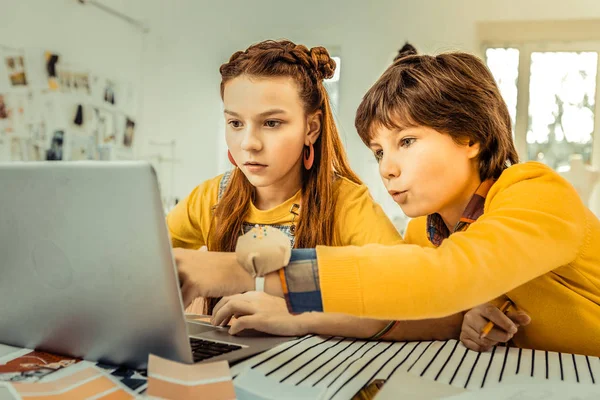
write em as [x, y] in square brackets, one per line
[272, 123]
[235, 124]
[407, 142]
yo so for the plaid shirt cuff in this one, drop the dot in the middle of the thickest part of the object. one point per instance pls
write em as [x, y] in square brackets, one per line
[300, 282]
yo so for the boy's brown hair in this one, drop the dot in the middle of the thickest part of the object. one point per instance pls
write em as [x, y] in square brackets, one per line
[453, 93]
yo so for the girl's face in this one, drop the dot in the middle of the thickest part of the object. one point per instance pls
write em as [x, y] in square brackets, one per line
[426, 171]
[267, 128]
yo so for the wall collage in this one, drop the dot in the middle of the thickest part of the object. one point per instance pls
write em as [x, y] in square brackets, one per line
[53, 110]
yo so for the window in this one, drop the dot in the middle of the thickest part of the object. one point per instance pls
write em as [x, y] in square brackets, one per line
[504, 64]
[551, 90]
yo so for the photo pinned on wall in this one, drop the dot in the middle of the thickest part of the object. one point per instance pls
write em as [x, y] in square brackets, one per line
[52, 70]
[38, 132]
[4, 148]
[3, 109]
[26, 111]
[25, 149]
[110, 91]
[91, 122]
[97, 88]
[11, 110]
[35, 123]
[119, 121]
[65, 78]
[81, 83]
[110, 152]
[106, 152]
[56, 150]
[122, 154]
[127, 98]
[51, 110]
[18, 149]
[36, 151]
[18, 112]
[78, 119]
[104, 126]
[3, 114]
[15, 67]
[129, 132]
[81, 147]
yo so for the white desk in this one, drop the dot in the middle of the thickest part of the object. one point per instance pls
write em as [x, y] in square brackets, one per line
[6, 350]
[344, 366]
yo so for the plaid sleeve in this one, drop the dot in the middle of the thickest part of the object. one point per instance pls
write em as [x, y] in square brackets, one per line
[300, 282]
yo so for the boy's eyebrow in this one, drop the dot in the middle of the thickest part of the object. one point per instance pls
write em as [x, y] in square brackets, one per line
[231, 113]
[373, 143]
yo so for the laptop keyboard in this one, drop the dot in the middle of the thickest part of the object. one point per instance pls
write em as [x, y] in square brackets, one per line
[205, 349]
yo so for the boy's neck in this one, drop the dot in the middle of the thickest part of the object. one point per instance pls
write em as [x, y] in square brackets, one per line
[452, 214]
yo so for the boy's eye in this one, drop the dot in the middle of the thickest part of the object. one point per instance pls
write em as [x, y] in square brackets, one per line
[406, 142]
[378, 155]
[235, 123]
[272, 124]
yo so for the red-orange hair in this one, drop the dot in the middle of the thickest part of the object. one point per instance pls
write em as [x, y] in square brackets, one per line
[307, 68]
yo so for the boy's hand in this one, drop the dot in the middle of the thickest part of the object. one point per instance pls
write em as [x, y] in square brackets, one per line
[210, 274]
[505, 326]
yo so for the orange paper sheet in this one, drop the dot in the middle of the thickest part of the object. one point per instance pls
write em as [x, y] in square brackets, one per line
[89, 382]
[172, 380]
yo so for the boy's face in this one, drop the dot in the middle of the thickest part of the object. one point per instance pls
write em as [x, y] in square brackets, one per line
[425, 171]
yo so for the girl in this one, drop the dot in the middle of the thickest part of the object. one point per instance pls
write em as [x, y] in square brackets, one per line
[483, 226]
[291, 173]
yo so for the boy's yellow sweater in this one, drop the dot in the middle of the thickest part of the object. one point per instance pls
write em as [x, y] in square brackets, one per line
[536, 243]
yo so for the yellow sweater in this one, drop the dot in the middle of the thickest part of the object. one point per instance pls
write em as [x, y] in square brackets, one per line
[358, 220]
[536, 243]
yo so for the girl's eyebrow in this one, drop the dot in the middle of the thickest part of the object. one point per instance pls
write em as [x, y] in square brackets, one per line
[262, 114]
[271, 112]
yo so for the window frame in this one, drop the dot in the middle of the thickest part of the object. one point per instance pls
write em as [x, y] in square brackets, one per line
[526, 48]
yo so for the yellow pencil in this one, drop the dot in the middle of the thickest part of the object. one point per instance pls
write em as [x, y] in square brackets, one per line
[488, 327]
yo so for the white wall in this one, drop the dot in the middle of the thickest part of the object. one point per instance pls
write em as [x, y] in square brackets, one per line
[176, 64]
[81, 34]
[190, 39]
[85, 37]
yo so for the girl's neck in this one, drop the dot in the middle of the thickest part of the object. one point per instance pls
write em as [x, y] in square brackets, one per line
[273, 195]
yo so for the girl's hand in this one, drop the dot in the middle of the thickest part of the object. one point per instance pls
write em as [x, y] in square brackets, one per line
[258, 311]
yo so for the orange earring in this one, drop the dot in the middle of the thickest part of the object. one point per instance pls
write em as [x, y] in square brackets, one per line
[231, 160]
[309, 156]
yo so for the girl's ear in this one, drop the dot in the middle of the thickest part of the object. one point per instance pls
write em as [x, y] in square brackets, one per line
[313, 130]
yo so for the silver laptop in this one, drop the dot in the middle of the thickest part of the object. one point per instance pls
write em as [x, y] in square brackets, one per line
[86, 268]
